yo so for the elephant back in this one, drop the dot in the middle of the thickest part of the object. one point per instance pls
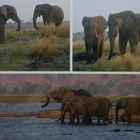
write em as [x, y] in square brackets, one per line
[82, 92]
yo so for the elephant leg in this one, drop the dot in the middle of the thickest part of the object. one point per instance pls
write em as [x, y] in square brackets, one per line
[101, 48]
[98, 122]
[122, 43]
[17, 20]
[89, 119]
[123, 117]
[134, 39]
[95, 52]
[129, 118]
[78, 119]
[88, 53]
[2, 33]
[104, 119]
[72, 119]
[63, 113]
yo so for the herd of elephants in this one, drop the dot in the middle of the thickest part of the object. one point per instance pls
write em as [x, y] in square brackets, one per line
[83, 107]
[50, 14]
[126, 23]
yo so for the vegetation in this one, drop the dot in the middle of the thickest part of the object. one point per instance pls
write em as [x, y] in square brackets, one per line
[127, 62]
[44, 50]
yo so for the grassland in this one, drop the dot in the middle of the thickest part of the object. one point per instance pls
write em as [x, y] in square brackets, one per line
[46, 49]
[127, 62]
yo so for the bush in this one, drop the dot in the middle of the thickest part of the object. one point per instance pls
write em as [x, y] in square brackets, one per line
[46, 46]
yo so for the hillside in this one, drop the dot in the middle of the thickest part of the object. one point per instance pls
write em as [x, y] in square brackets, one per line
[116, 85]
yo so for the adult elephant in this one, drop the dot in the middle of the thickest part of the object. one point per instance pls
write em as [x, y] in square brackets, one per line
[94, 28]
[58, 94]
[75, 106]
[87, 107]
[99, 107]
[130, 105]
[7, 12]
[127, 24]
[49, 13]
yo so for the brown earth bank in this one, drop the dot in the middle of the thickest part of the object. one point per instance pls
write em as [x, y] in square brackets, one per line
[55, 114]
[20, 98]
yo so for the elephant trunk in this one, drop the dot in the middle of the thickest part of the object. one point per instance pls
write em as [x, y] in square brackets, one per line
[2, 33]
[112, 42]
[34, 23]
[34, 19]
[19, 24]
[47, 101]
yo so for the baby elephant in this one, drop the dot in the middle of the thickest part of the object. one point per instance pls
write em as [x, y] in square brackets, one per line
[94, 28]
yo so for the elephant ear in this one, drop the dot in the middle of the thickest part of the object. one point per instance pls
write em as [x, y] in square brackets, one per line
[124, 102]
[128, 23]
[4, 12]
[84, 21]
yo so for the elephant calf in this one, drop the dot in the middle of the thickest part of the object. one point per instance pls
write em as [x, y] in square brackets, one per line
[94, 28]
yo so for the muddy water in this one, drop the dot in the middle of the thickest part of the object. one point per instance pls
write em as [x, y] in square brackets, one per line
[31, 128]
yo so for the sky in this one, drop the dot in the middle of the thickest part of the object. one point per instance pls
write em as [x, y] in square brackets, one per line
[83, 8]
[25, 8]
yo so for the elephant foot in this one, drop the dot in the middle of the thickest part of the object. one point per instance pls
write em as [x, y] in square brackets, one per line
[36, 28]
[63, 123]
[17, 30]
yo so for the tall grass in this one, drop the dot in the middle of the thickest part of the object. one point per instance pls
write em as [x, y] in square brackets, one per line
[46, 46]
[124, 63]
[128, 62]
[61, 31]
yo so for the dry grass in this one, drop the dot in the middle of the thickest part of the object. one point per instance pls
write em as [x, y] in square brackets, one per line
[21, 49]
[127, 62]
[47, 46]
[61, 31]
[124, 63]
[20, 98]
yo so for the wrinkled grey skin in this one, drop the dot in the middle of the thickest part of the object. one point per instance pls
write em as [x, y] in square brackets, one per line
[58, 94]
[127, 24]
[94, 28]
[130, 105]
[7, 12]
[49, 13]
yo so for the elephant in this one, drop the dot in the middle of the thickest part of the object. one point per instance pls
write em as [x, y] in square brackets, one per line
[130, 105]
[50, 14]
[94, 28]
[58, 94]
[127, 24]
[99, 107]
[75, 106]
[87, 107]
[7, 12]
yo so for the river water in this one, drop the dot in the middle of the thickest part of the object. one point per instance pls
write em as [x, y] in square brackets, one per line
[31, 128]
